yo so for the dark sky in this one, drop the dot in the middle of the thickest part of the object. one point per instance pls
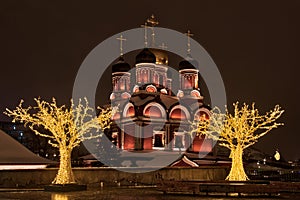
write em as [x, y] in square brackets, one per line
[255, 45]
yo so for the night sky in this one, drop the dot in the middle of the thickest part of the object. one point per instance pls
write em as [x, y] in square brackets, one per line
[255, 45]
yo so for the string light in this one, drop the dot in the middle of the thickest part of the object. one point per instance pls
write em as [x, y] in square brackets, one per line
[237, 132]
[67, 128]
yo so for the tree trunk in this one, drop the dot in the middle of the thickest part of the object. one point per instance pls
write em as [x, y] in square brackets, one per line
[237, 172]
[65, 174]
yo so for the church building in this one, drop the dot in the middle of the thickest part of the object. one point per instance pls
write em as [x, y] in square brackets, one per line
[151, 116]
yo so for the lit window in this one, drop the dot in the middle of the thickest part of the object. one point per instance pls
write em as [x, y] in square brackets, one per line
[158, 140]
[202, 113]
[116, 116]
[195, 93]
[151, 88]
[115, 138]
[179, 113]
[125, 95]
[155, 110]
[180, 141]
[129, 110]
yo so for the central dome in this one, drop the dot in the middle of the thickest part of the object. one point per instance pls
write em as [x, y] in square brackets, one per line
[145, 56]
[161, 56]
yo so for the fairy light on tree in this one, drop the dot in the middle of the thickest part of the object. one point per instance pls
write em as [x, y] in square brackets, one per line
[237, 132]
[67, 128]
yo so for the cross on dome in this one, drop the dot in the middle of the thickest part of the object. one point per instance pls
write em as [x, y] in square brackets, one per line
[189, 34]
[145, 26]
[163, 46]
[152, 21]
[121, 39]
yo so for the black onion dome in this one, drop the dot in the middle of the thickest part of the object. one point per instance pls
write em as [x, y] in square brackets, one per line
[188, 63]
[145, 56]
[120, 65]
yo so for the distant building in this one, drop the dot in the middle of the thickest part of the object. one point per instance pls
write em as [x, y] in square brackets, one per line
[29, 139]
[13, 155]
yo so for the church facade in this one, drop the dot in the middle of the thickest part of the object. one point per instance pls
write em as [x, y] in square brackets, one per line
[150, 116]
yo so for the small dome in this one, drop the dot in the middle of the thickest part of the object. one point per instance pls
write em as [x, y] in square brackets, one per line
[120, 65]
[145, 56]
[195, 93]
[161, 56]
[188, 63]
[125, 95]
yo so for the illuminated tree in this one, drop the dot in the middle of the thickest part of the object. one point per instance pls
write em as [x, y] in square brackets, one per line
[237, 132]
[66, 128]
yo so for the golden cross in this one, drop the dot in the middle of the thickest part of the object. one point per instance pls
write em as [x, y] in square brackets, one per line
[163, 46]
[145, 26]
[152, 22]
[189, 34]
[121, 44]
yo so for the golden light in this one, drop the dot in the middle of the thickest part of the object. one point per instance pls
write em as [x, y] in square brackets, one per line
[237, 132]
[67, 128]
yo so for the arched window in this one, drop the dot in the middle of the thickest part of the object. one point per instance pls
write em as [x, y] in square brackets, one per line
[125, 95]
[136, 88]
[144, 75]
[129, 110]
[151, 88]
[156, 78]
[195, 93]
[116, 116]
[154, 110]
[180, 113]
[202, 113]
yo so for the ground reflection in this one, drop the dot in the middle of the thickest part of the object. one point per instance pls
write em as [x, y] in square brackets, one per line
[120, 193]
[59, 197]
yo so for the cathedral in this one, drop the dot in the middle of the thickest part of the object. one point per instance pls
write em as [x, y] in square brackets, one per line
[151, 116]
